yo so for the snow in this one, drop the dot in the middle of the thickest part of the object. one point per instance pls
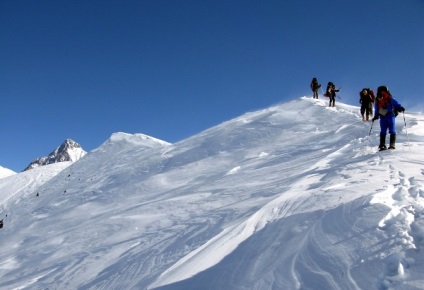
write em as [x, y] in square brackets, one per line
[76, 154]
[294, 196]
[17, 187]
[5, 172]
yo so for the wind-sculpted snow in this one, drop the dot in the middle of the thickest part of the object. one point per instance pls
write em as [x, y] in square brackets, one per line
[290, 197]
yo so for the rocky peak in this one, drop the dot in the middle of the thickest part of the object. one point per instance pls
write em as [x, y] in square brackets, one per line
[68, 151]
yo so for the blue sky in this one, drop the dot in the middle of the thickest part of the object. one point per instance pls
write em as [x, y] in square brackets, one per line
[170, 69]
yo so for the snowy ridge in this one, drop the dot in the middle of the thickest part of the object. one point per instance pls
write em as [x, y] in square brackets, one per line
[141, 139]
[120, 140]
[4, 172]
[294, 196]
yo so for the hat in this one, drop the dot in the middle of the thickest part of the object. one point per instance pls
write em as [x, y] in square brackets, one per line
[381, 90]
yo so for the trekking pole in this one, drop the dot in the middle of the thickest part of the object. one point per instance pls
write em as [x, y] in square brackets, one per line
[407, 137]
[372, 123]
[322, 91]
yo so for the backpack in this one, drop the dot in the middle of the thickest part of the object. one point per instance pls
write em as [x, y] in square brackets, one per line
[329, 90]
[384, 101]
[366, 96]
[372, 95]
[363, 95]
[314, 84]
[327, 93]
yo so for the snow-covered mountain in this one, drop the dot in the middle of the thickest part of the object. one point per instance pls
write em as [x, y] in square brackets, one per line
[4, 172]
[68, 151]
[294, 196]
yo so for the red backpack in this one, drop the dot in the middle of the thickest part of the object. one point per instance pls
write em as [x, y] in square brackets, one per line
[383, 100]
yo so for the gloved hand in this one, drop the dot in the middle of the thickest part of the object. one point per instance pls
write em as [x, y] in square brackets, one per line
[401, 109]
[375, 118]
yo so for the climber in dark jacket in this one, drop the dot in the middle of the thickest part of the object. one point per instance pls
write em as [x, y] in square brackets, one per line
[331, 93]
[366, 98]
[314, 87]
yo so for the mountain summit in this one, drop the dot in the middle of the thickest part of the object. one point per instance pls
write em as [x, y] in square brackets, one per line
[68, 151]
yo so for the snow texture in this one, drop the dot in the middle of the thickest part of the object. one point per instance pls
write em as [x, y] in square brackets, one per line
[295, 196]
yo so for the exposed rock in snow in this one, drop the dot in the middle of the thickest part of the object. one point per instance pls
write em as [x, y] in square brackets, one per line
[68, 151]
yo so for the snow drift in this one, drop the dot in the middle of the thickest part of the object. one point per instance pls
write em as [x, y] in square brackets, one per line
[294, 196]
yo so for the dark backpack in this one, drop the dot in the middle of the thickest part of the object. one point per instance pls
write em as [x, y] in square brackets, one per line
[314, 84]
[329, 91]
[366, 96]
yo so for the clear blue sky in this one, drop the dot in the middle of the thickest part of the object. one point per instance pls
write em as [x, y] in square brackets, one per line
[170, 69]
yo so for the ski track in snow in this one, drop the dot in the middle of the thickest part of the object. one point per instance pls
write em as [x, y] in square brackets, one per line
[289, 204]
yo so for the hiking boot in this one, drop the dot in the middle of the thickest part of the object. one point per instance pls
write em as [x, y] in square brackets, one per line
[392, 141]
[382, 145]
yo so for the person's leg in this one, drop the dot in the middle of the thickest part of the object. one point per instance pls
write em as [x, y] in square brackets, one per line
[367, 112]
[382, 145]
[383, 132]
[363, 112]
[392, 131]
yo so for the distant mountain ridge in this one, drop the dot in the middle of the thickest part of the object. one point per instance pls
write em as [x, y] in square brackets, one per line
[68, 151]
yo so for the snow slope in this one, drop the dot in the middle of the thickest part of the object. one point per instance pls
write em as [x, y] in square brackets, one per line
[4, 172]
[16, 188]
[294, 196]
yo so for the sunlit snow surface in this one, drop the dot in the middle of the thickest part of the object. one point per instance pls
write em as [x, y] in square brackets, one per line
[295, 196]
[5, 172]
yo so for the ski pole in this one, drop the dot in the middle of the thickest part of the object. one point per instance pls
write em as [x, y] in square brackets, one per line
[406, 130]
[372, 123]
[322, 91]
